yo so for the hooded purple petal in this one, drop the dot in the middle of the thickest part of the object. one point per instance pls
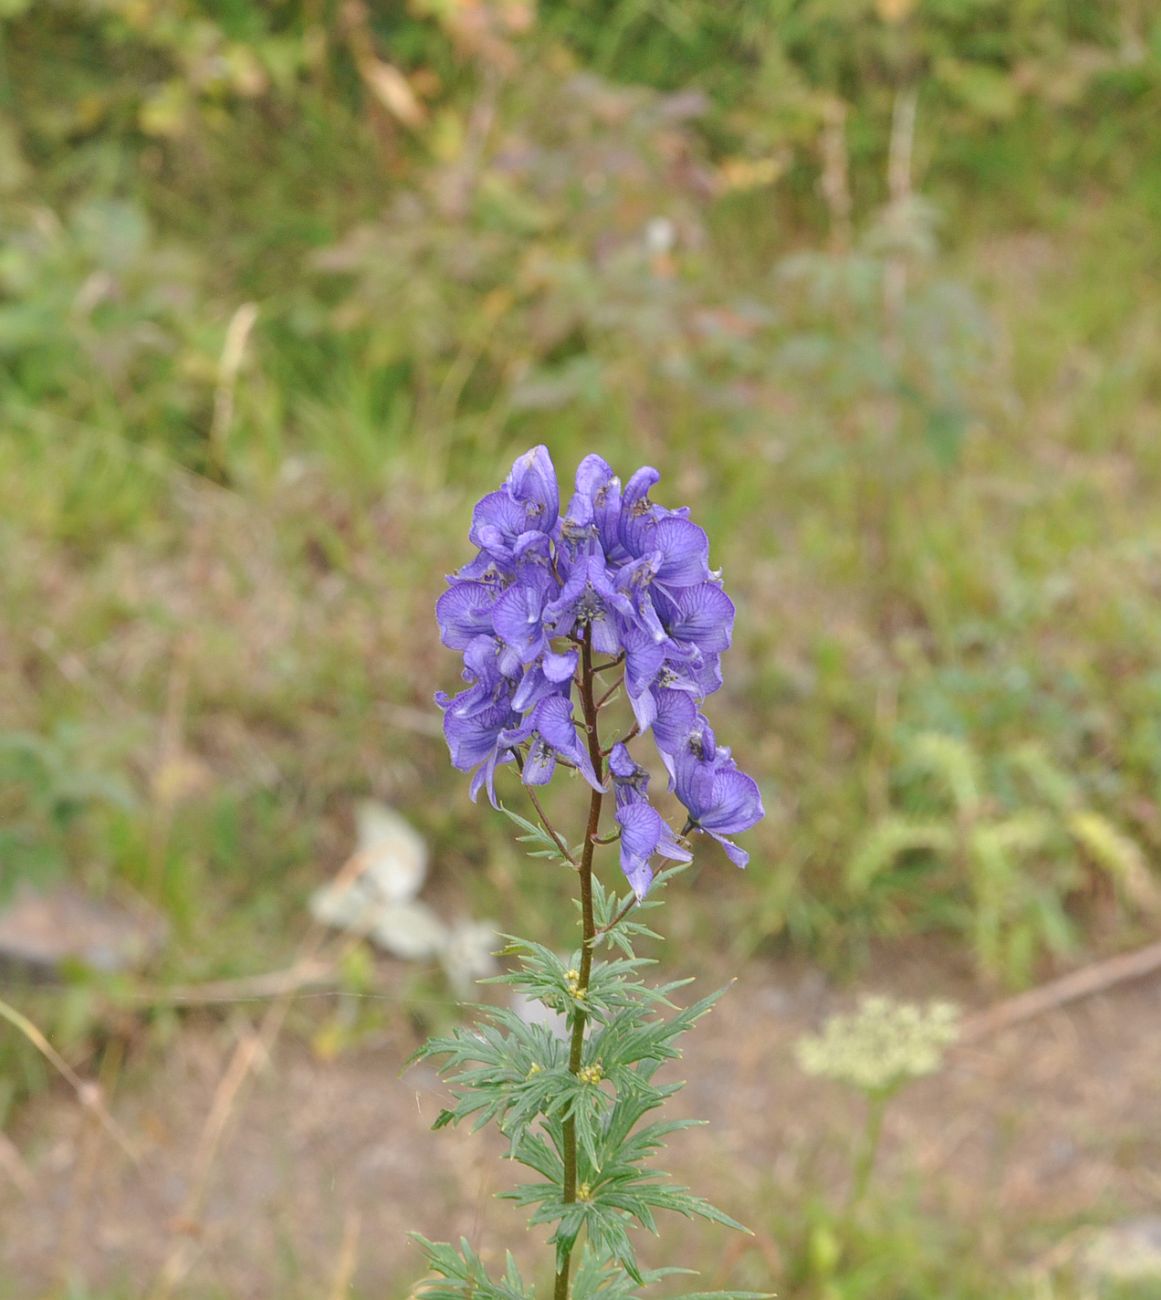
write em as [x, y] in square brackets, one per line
[517, 618]
[676, 714]
[684, 551]
[464, 612]
[643, 834]
[533, 484]
[735, 802]
[705, 617]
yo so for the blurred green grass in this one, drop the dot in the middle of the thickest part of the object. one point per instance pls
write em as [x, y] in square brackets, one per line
[938, 514]
[921, 432]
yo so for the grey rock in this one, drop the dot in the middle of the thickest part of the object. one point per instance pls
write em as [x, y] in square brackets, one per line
[42, 933]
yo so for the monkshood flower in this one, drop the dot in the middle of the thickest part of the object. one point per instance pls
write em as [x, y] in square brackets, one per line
[474, 739]
[720, 799]
[644, 832]
[618, 578]
[609, 604]
[589, 601]
[551, 733]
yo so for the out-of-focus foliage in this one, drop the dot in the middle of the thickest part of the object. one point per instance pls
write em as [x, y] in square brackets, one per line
[276, 279]
[540, 269]
[49, 786]
[871, 280]
[95, 312]
[776, 69]
[999, 864]
[541, 236]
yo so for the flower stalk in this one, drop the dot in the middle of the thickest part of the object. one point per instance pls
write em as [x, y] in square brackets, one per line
[588, 940]
[552, 600]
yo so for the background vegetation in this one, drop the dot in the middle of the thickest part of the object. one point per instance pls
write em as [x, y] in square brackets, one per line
[873, 282]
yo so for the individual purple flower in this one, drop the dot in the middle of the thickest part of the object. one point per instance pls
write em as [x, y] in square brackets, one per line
[475, 739]
[589, 601]
[498, 522]
[518, 619]
[596, 507]
[702, 615]
[490, 675]
[652, 667]
[464, 612]
[532, 482]
[639, 516]
[510, 519]
[547, 675]
[720, 799]
[634, 580]
[682, 549]
[551, 733]
[644, 832]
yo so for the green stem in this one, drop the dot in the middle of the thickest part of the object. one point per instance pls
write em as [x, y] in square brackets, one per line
[576, 1047]
[865, 1162]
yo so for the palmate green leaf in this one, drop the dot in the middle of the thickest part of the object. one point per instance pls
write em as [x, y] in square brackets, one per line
[680, 1200]
[588, 1111]
[641, 1145]
[501, 1070]
[628, 1038]
[615, 915]
[599, 1277]
[544, 846]
[541, 974]
[617, 1190]
[541, 1154]
[548, 978]
[608, 1232]
[461, 1274]
[612, 986]
[607, 1213]
[606, 1229]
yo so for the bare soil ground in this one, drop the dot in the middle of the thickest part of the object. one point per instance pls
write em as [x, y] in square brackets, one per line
[323, 1167]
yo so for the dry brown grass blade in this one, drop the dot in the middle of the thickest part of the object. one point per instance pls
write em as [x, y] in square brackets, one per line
[230, 363]
[253, 1047]
[348, 1258]
[1084, 983]
[303, 975]
[87, 1092]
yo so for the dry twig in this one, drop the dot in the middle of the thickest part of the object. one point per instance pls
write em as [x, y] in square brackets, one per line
[87, 1092]
[1098, 977]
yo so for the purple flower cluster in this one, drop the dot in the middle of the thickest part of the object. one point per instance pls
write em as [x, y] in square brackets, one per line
[632, 580]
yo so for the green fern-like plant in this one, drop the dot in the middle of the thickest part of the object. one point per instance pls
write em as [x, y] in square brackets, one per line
[1011, 864]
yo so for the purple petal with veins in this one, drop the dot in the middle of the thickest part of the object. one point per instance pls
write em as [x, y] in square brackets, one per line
[705, 617]
[464, 612]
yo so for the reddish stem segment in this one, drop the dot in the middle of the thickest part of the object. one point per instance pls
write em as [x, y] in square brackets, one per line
[580, 1017]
